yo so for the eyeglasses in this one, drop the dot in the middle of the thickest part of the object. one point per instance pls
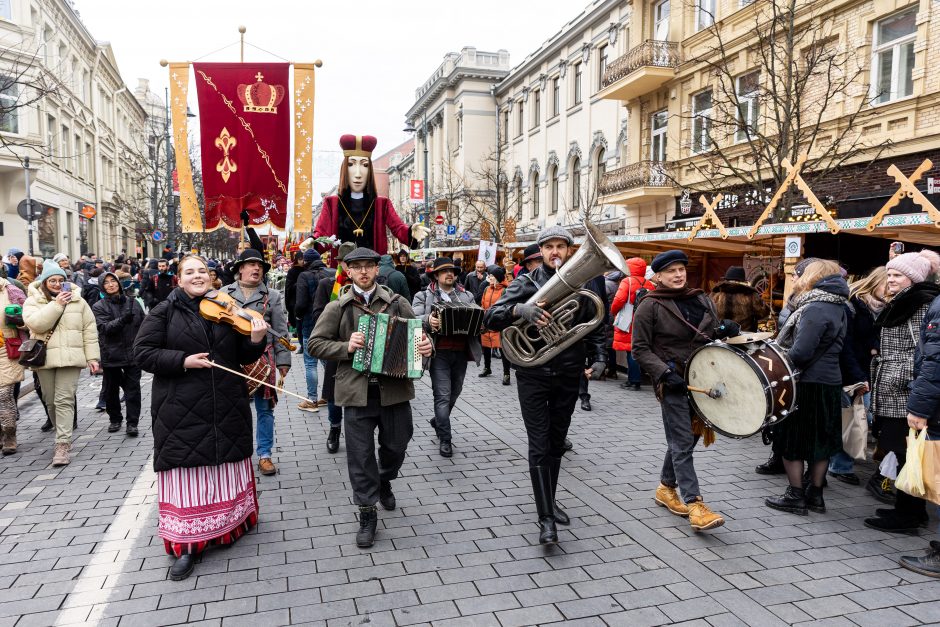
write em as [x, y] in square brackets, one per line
[361, 267]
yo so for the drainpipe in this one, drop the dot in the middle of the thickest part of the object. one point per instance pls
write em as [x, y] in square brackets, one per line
[117, 158]
[96, 153]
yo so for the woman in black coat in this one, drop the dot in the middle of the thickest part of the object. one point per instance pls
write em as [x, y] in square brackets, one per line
[118, 318]
[202, 426]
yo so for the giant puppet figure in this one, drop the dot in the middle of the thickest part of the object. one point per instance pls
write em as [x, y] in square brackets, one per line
[357, 213]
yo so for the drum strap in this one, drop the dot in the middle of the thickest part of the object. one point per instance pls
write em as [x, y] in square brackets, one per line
[683, 321]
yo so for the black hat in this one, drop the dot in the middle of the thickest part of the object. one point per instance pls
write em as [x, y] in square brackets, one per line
[250, 254]
[735, 273]
[362, 254]
[498, 272]
[665, 259]
[442, 263]
[531, 253]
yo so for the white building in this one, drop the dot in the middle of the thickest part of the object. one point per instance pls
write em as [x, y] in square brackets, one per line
[63, 105]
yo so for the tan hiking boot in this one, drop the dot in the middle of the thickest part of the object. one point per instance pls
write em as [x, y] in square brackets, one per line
[701, 518]
[60, 454]
[266, 466]
[308, 406]
[9, 440]
[669, 498]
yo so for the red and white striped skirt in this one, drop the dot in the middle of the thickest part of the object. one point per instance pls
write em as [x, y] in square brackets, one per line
[206, 505]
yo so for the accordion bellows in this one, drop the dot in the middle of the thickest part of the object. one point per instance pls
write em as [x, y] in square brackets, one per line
[459, 318]
[391, 347]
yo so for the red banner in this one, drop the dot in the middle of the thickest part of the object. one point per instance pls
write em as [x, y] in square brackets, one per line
[244, 124]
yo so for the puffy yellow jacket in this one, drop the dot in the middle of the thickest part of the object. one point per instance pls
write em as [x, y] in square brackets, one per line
[75, 340]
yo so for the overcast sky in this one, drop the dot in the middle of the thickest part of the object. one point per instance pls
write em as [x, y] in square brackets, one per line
[375, 53]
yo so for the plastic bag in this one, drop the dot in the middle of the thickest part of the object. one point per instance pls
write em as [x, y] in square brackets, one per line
[855, 427]
[911, 477]
[889, 466]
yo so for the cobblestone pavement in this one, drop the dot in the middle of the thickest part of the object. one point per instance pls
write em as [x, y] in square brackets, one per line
[79, 543]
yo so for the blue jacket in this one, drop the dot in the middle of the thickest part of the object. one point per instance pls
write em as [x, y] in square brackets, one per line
[924, 400]
[820, 334]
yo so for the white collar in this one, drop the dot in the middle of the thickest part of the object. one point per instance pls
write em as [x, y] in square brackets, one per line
[366, 296]
[356, 195]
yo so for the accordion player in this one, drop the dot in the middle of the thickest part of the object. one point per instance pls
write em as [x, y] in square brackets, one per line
[391, 346]
[459, 318]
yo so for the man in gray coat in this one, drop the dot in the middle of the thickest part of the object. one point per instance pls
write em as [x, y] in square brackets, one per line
[250, 292]
[449, 364]
[370, 401]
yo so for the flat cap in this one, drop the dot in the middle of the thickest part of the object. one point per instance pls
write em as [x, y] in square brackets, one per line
[554, 232]
[665, 259]
[362, 254]
[344, 249]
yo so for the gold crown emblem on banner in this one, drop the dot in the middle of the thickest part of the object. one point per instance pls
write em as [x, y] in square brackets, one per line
[260, 97]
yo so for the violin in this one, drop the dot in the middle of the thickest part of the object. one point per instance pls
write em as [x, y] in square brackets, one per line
[222, 308]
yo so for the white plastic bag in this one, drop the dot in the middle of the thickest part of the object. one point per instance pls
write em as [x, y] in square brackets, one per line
[855, 426]
[889, 466]
[911, 477]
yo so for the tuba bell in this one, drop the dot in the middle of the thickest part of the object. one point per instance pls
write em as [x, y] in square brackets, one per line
[526, 344]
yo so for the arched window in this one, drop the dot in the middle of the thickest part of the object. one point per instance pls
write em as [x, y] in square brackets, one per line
[553, 190]
[518, 192]
[534, 192]
[576, 184]
[600, 166]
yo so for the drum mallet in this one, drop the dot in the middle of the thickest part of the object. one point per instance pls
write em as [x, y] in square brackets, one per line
[713, 393]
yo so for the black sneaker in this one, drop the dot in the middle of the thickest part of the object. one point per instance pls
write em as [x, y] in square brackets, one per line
[567, 445]
[46, 426]
[928, 565]
[893, 524]
[446, 449]
[486, 372]
[368, 521]
[131, 431]
[881, 488]
[386, 496]
[184, 566]
[332, 440]
[884, 512]
[845, 477]
[114, 427]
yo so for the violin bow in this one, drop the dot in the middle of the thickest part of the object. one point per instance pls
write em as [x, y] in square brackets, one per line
[258, 381]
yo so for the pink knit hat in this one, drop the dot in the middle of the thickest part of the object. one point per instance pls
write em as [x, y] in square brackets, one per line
[915, 266]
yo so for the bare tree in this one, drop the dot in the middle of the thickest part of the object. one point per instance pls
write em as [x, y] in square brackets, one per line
[807, 92]
[451, 195]
[582, 202]
[24, 84]
[490, 202]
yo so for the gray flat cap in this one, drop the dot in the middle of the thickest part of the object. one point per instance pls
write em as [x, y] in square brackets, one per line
[362, 254]
[554, 232]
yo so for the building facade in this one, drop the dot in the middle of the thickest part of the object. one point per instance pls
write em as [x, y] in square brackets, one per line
[64, 105]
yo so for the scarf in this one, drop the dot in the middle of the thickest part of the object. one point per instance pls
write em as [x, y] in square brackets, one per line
[900, 308]
[673, 293]
[788, 332]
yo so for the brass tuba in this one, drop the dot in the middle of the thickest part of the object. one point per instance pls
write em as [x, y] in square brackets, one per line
[526, 344]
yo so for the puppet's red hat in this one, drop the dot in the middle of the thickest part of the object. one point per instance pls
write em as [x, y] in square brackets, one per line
[358, 145]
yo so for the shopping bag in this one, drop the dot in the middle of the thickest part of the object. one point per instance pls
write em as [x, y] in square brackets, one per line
[931, 468]
[911, 477]
[855, 428]
[889, 466]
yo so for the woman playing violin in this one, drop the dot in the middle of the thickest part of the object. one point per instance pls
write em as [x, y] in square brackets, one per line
[202, 427]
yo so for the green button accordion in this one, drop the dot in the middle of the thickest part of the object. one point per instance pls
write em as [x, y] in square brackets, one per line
[391, 347]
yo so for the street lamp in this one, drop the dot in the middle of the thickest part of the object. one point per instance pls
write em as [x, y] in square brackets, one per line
[409, 128]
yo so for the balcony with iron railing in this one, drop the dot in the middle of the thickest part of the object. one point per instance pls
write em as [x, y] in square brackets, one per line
[638, 182]
[641, 70]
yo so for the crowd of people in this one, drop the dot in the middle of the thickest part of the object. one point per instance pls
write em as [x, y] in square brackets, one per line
[216, 386]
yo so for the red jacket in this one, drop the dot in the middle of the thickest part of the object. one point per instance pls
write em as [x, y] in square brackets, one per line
[385, 215]
[626, 293]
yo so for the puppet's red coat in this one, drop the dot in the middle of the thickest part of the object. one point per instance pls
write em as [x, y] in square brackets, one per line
[385, 215]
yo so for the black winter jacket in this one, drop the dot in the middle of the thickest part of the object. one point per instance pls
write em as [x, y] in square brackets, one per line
[818, 337]
[306, 289]
[475, 285]
[500, 316]
[118, 319]
[201, 417]
[290, 291]
[924, 401]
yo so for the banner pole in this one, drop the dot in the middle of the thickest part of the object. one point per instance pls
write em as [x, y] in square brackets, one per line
[241, 30]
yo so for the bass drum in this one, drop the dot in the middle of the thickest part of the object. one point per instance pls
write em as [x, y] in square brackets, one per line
[753, 383]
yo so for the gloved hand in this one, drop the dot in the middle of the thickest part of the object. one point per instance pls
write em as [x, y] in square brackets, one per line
[128, 317]
[244, 216]
[532, 313]
[727, 328]
[596, 371]
[673, 382]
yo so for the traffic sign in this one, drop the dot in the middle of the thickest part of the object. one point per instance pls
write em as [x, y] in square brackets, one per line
[466, 236]
[439, 219]
[439, 231]
[36, 206]
[157, 236]
[88, 211]
[452, 229]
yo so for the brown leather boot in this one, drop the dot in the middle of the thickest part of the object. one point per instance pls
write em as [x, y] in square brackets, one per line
[669, 498]
[266, 466]
[60, 454]
[701, 518]
[9, 440]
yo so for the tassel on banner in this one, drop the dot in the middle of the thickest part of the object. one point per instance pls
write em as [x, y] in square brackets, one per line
[303, 145]
[190, 214]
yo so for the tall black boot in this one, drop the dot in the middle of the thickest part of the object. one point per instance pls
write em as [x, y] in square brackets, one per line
[793, 501]
[560, 516]
[542, 489]
[814, 499]
[368, 520]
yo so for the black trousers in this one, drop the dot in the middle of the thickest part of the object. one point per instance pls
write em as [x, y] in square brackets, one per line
[547, 402]
[395, 428]
[893, 437]
[488, 360]
[125, 378]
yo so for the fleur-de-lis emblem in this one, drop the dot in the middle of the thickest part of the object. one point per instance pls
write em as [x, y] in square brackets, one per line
[225, 142]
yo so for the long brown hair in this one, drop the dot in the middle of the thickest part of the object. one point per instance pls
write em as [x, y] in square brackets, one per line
[344, 183]
[814, 272]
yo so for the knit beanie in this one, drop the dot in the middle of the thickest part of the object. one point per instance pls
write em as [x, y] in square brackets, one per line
[50, 269]
[803, 265]
[311, 255]
[915, 266]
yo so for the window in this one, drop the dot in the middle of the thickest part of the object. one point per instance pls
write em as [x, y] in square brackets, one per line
[518, 192]
[701, 121]
[747, 89]
[460, 130]
[89, 164]
[47, 46]
[704, 14]
[50, 135]
[505, 129]
[658, 123]
[536, 108]
[520, 120]
[9, 117]
[576, 184]
[66, 153]
[534, 192]
[6, 9]
[556, 96]
[600, 166]
[77, 158]
[661, 20]
[893, 57]
[578, 70]
[553, 189]
[601, 65]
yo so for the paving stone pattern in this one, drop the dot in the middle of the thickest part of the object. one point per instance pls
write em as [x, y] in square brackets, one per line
[461, 549]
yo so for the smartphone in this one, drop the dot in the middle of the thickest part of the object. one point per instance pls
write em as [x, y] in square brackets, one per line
[897, 247]
[66, 287]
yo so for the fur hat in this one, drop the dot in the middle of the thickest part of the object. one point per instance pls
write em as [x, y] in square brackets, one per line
[554, 232]
[915, 266]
